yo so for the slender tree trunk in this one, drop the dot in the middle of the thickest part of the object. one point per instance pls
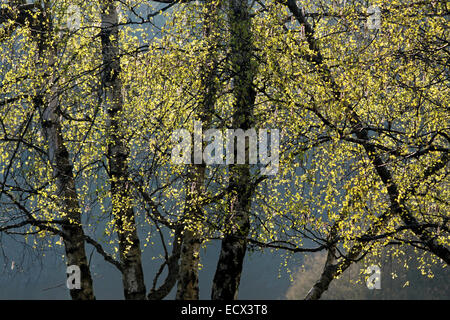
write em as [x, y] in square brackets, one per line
[121, 190]
[331, 270]
[192, 237]
[62, 168]
[191, 241]
[172, 272]
[234, 245]
[385, 175]
[382, 170]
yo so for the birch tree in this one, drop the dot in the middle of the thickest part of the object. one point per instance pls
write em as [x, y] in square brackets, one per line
[88, 113]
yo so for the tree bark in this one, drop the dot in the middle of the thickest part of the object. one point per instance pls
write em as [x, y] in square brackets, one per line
[66, 193]
[234, 245]
[192, 237]
[121, 190]
[187, 288]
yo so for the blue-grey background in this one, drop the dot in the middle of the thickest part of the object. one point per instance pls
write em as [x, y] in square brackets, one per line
[37, 277]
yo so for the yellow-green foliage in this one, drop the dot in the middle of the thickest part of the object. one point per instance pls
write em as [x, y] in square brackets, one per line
[395, 79]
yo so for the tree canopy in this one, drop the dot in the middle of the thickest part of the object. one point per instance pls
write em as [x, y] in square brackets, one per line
[92, 91]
